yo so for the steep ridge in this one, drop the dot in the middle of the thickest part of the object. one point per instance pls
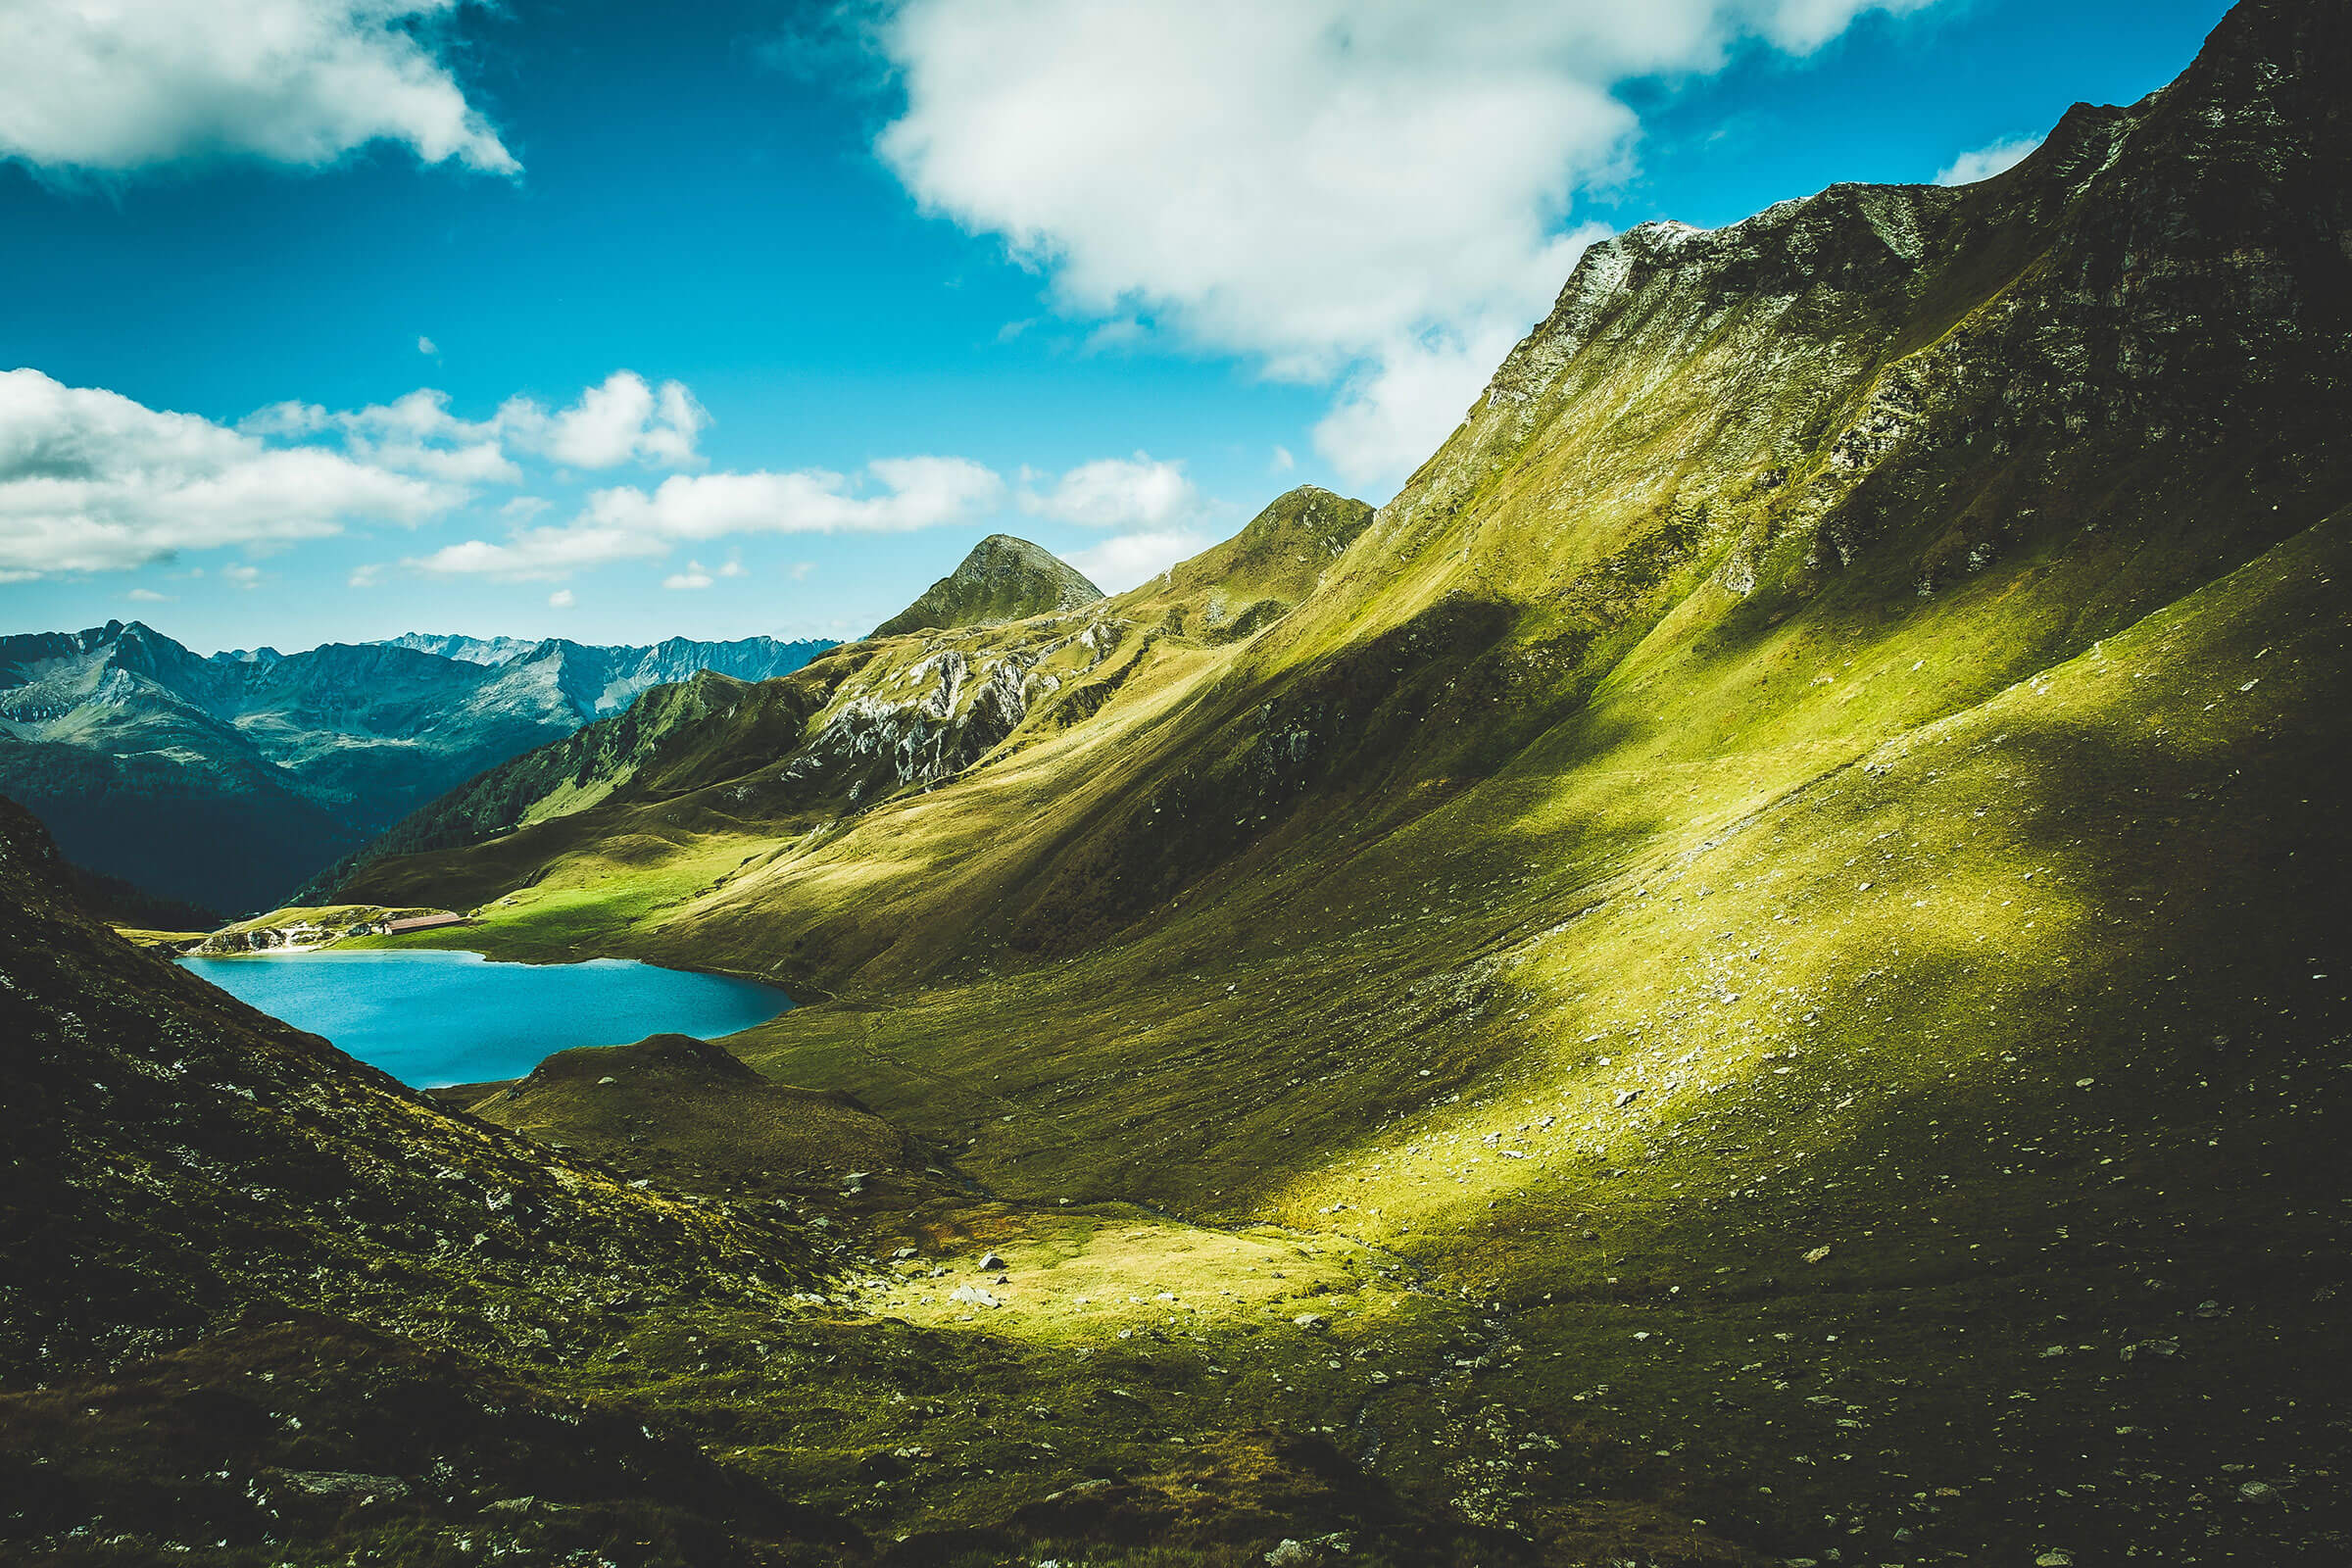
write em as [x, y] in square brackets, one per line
[1003, 579]
[1805, 828]
[229, 779]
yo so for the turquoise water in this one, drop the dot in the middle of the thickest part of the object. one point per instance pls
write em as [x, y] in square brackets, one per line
[446, 1017]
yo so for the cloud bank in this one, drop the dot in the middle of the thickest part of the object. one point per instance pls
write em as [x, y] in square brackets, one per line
[1372, 191]
[891, 495]
[93, 481]
[118, 85]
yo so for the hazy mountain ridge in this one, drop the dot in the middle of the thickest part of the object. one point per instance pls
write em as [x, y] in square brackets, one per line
[268, 765]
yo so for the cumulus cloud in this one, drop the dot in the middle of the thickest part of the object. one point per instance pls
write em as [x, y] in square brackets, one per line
[425, 345]
[1986, 161]
[147, 596]
[623, 418]
[1115, 493]
[132, 83]
[1127, 560]
[93, 481]
[894, 495]
[562, 599]
[1332, 186]
[696, 575]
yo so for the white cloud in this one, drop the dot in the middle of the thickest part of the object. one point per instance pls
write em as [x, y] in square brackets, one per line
[93, 481]
[562, 599]
[1126, 560]
[1986, 161]
[1114, 493]
[243, 576]
[117, 85]
[623, 418]
[694, 576]
[1111, 336]
[799, 570]
[1331, 186]
[733, 568]
[363, 577]
[898, 494]
[1283, 461]
[425, 345]
[147, 596]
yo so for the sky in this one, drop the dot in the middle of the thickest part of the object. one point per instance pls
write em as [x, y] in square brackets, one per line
[328, 320]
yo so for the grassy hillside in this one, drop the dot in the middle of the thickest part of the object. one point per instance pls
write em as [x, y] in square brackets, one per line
[1788, 876]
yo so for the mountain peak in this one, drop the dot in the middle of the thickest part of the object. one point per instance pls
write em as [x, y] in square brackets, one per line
[1003, 578]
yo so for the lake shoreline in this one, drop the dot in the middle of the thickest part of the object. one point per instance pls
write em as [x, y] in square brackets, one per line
[434, 1017]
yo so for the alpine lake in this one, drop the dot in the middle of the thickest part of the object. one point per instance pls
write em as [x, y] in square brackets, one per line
[439, 1016]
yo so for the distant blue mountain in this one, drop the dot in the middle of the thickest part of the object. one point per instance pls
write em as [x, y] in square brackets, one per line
[228, 779]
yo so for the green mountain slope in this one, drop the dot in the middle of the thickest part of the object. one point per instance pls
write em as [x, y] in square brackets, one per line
[1003, 579]
[1836, 753]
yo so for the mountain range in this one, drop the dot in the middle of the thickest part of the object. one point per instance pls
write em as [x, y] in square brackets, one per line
[227, 780]
[1738, 975]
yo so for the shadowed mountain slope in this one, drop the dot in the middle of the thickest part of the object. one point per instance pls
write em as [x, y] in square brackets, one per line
[249, 1281]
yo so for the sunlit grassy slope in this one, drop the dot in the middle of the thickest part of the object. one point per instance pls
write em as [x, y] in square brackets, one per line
[1841, 750]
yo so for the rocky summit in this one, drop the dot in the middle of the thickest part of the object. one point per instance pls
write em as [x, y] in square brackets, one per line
[1739, 975]
[1003, 579]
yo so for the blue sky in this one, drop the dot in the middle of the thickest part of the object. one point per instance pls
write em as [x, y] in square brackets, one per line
[753, 318]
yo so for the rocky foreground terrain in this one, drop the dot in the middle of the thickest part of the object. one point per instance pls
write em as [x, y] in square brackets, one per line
[1746, 972]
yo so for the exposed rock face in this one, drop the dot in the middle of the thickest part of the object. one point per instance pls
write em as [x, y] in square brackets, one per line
[1003, 579]
[230, 779]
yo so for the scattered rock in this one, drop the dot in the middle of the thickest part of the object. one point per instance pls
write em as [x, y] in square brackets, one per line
[1817, 1254]
[344, 1483]
[2151, 1349]
[2258, 1491]
[2055, 1559]
[1311, 1320]
[988, 1260]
